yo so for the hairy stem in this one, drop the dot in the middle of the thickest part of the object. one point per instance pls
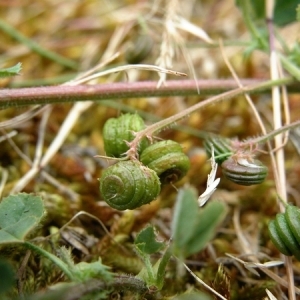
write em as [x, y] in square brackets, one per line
[270, 135]
[62, 94]
[150, 130]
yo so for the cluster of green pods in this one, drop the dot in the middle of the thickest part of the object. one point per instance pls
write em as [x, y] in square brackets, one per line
[128, 184]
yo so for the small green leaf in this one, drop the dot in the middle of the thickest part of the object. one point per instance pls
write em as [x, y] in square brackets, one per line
[208, 220]
[185, 217]
[18, 215]
[146, 241]
[285, 12]
[7, 276]
[12, 71]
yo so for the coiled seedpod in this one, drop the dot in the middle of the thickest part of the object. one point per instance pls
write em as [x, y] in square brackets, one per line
[118, 131]
[243, 172]
[167, 159]
[128, 185]
[221, 146]
[139, 49]
[284, 231]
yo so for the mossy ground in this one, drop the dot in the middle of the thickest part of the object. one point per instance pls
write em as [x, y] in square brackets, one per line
[82, 32]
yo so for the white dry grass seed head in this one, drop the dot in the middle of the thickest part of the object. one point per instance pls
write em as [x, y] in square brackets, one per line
[212, 183]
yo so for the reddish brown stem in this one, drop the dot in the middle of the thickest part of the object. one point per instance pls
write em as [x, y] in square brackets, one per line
[61, 94]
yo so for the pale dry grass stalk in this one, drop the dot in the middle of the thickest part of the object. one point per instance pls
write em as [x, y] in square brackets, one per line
[4, 177]
[167, 48]
[173, 42]
[279, 139]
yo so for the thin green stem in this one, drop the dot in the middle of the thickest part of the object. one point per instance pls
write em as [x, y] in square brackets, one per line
[162, 268]
[245, 5]
[290, 66]
[11, 31]
[149, 268]
[57, 261]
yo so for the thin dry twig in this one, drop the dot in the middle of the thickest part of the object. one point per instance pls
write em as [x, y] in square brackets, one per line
[29, 114]
[203, 283]
[41, 136]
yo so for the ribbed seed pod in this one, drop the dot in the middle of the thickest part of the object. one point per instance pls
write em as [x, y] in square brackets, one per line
[139, 49]
[284, 231]
[244, 173]
[128, 185]
[167, 159]
[222, 148]
[117, 131]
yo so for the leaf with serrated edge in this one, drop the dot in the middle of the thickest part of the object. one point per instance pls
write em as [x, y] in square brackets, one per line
[12, 71]
[146, 241]
[18, 215]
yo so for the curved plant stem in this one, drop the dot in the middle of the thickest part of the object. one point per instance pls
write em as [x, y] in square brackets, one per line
[57, 261]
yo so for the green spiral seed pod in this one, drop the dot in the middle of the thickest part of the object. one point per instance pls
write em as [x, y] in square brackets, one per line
[292, 215]
[244, 173]
[139, 49]
[167, 159]
[118, 131]
[284, 231]
[222, 148]
[128, 185]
